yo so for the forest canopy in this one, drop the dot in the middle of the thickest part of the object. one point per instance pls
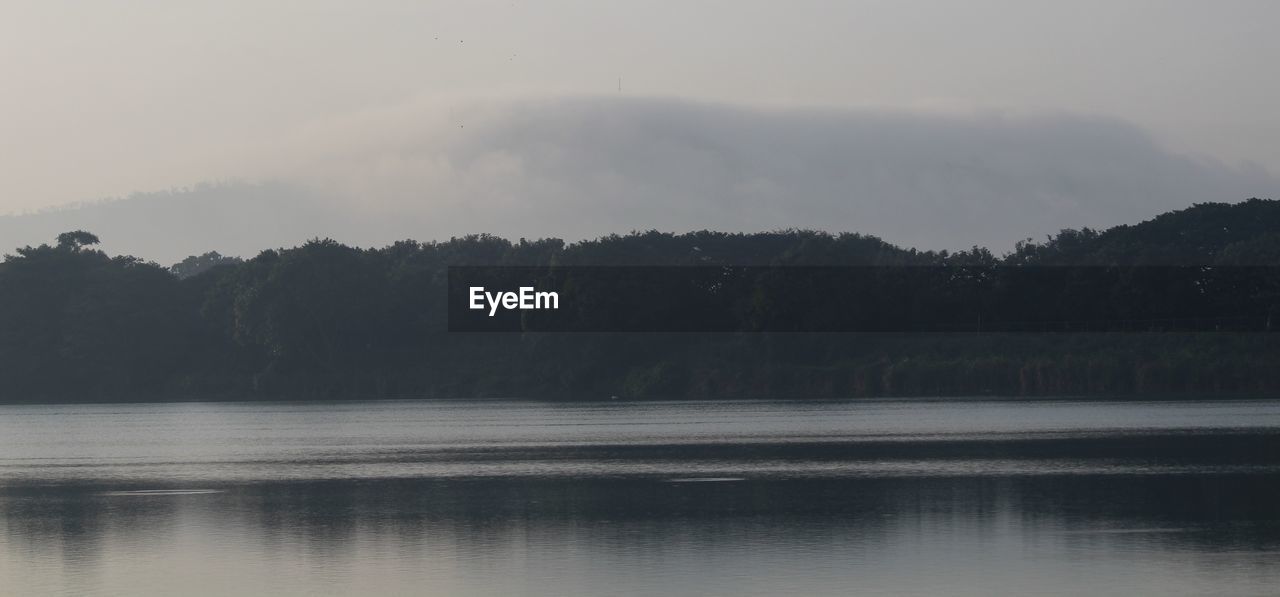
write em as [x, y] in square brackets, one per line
[325, 320]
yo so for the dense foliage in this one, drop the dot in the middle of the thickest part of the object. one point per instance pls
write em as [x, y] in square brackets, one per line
[324, 320]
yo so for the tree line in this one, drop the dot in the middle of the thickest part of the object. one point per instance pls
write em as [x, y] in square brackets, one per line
[324, 320]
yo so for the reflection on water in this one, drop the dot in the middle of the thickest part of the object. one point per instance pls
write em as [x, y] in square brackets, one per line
[677, 499]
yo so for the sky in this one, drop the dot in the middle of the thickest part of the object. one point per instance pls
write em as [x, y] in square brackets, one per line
[369, 103]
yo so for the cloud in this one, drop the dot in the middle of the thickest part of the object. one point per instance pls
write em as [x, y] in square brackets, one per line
[587, 166]
[583, 167]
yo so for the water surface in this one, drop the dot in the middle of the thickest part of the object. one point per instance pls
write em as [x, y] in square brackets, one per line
[726, 498]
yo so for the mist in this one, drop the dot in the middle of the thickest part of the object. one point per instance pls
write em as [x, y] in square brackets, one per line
[582, 167]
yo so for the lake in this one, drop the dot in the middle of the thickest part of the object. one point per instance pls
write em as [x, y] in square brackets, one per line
[967, 497]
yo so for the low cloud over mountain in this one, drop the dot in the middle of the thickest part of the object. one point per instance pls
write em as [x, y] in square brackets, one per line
[578, 168]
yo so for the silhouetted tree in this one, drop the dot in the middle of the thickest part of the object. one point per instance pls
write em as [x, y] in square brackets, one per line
[74, 241]
[199, 264]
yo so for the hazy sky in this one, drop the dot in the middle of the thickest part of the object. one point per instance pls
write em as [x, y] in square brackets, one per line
[108, 98]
